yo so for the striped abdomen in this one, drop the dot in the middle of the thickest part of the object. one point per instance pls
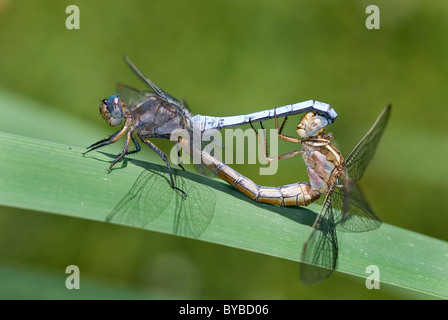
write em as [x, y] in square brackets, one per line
[297, 194]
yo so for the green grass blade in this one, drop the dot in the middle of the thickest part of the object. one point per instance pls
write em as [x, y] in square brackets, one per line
[56, 178]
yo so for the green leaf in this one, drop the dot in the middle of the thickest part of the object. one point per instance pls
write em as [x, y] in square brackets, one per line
[56, 178]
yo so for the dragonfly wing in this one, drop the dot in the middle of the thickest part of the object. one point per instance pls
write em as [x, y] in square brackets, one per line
[194, 213]
[132, 96]
[161, 93]
[183, 105]
[146, 200]
[351, 209]
[359, 158]
[320, 252]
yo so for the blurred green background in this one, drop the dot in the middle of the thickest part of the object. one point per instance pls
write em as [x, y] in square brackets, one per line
[224, 58]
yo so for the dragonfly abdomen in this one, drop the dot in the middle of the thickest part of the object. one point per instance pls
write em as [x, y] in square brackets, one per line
[297, 194]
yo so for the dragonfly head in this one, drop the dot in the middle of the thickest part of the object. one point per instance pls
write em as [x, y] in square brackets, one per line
[112, 110]
[311, 125]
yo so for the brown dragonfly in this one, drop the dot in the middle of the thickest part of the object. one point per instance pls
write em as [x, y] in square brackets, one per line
[331, 175]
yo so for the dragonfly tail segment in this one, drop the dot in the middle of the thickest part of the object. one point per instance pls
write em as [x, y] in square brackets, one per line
[297, 194]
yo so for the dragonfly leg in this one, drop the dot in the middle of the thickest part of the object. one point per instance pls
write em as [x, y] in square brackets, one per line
[125, 149]
[164, 158]
[179, 150]
[282, 136]
[113, 138]
[265, 150]
[137, 146]
[178, 159]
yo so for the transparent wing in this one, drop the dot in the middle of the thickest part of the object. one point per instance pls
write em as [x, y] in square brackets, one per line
[150, 195]
[320, 252]
[359, 158]
[194, 213]
[146, 200]
[132, 96]
[154, 88]
[183, 105]
[351, 209]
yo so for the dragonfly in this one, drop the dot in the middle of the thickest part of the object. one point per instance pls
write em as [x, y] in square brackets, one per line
[154, 113]
[330, 175]
[345, 205]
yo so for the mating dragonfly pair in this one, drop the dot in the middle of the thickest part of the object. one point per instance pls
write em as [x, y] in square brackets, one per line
[156, 114]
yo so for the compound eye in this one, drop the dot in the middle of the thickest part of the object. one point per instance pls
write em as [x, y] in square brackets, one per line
[316, 125]
[112, 110]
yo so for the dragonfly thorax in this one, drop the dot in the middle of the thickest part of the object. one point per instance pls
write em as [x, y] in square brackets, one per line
[157, 117]
[324, 162]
